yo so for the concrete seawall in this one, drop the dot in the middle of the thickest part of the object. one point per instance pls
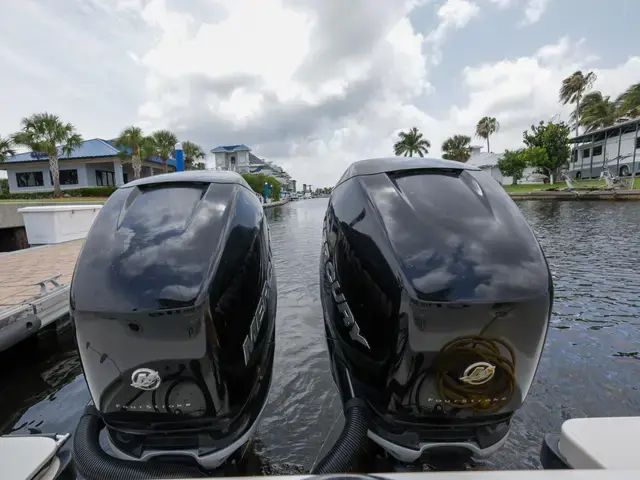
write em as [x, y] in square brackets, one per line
[609, 195]
[275, 204]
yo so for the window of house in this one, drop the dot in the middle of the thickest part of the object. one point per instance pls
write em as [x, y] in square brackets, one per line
[104, 178]
[574, 156]
[586, 152]
[597, 150]
[30, 179]
[233, 160]
[67, 177]
[638, 142]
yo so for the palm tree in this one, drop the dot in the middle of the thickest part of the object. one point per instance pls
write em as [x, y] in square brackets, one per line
[148, 149]
[165, 143]
[192, 153]
[457, 148]
[486, 127]
[572, 89]
[130, 140]
[629, 102]
[411, 142]
[597, 111]
[6, 149]
[42, 133]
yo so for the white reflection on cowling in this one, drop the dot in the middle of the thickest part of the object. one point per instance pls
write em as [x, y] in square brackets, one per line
[454, 243]
[155, 251]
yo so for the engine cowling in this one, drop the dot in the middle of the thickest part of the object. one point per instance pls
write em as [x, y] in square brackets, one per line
[173, 300]
[437, 298]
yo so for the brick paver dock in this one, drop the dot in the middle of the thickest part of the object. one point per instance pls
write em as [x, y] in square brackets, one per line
[20, 270]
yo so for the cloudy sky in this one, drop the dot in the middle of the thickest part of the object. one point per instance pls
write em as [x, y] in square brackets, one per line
[310, 84]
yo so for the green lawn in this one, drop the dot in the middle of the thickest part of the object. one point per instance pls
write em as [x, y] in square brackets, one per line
[559, 185]
[59, 200]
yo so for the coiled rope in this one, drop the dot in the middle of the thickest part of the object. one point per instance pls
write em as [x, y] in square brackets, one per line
[487, 396]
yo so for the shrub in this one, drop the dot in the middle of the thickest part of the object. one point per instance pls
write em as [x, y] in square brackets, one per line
[257, 181]
[76, 192]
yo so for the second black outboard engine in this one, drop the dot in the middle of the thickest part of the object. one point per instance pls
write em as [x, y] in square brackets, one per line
[173, 302]
[437, 299]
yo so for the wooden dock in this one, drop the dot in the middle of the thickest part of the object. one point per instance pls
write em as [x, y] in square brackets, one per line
[34, 289]
[22, 270]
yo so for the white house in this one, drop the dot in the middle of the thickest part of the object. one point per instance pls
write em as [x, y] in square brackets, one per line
[488, 162]
[238, 158]
[94, 163]
[232, 157]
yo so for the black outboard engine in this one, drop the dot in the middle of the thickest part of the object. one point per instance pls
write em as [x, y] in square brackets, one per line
[437, 298]
[173, 301]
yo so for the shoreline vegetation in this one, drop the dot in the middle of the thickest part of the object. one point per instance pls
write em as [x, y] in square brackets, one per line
[594, 190]
[546, 146]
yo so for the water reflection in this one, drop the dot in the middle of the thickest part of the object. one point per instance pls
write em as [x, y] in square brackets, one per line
[590, 365]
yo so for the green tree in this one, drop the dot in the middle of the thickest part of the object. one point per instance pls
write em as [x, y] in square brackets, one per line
[554, 139]
[486, 127]
[257, 180]
[512, 164]
[572, 89]
[457, 148]
[192, 154]
[6, 149]
[165, 144]
[597, 111]
[629, 102]
[129, 142]
[410, 143]
[42, 133]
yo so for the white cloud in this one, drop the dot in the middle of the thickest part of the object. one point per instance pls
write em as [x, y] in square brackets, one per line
[310, 85]
[523, 91]
[503, 3]
[307, 84]
[534, 10]
[452, 15]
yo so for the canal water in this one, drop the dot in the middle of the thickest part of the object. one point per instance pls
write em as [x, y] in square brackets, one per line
[590, 366]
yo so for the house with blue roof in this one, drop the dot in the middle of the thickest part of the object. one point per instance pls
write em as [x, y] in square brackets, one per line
[238, 158]
[235, 158]
[95, 163]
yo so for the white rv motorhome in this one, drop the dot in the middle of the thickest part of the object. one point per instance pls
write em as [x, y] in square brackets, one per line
[617, 147]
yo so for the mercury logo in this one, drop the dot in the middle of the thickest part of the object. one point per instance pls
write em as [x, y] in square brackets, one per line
[145, 379]
[478, 373]
[341, 301]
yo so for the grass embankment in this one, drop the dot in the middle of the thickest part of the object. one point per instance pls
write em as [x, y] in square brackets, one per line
[58, 200]
[540, 186]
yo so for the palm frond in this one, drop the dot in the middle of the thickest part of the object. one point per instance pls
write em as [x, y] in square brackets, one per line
[629, 102]
[6, 149]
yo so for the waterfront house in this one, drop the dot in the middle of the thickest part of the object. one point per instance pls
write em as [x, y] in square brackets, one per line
[238, 158]
[235, 158]
[488, 162]
[94, 163]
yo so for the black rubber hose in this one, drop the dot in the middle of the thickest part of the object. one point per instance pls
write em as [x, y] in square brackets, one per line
[342, 455]
[93, 463]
